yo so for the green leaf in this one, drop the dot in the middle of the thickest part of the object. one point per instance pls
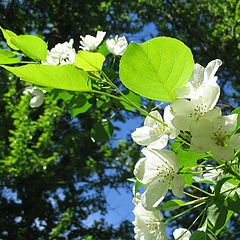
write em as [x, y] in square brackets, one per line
[80, 104]
[172, 205]
[187, 177]
[102, 131]
[8, 57]
[32, 46]
[103, 49]
[227, 191]
[217, 215]
[187, 159]
[134, 98]
[201, 234]
[8, 35]
[229, 215]
[154, 69]
[63, 77]
[89, 61]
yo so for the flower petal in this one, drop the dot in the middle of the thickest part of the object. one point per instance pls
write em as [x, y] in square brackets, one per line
[144, 135]
[154, 194]
[181, 234]
[150, 121]
[209, 95]
[160, 143]
[222, 153]
[210, 71]
[234, 142]
[178, 185]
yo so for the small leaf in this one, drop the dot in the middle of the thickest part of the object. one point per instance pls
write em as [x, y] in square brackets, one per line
[102, 131]
[32, 46]
[154, 69]
[79, 104]
[8, 57]
[89, 61]
[172, 205]
[8, 35]
[103, 49]
[135, 98]
[63, 77]
[216, 215]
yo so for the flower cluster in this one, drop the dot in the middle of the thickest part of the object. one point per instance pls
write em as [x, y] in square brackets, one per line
[195, 112]
[64, 53]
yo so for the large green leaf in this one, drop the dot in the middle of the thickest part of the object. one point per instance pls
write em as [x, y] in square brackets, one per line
[89, 61]
[8, 57]
[8, 35]
[63, 77]
[33, 46]
[154, 69]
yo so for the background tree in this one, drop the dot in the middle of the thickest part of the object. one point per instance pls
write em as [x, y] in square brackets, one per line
[54, 157]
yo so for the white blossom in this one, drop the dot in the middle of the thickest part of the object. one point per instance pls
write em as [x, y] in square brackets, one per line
[156, 170]
[181, 234]
[61, 54]
[200, 79]
[38, 99]
[154, 134]
[148, 224]
[213, 135]
[90, 43]
[186, 112]
[117, 45]
[212, 175]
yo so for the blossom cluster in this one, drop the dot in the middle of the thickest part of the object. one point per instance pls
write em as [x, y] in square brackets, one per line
[64, 53]
[194, 111]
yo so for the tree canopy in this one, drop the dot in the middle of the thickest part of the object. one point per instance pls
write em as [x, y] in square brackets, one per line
[52, 172]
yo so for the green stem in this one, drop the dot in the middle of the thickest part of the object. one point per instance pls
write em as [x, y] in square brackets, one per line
[145, 113]
[178, 215]
[193, 222]
[199, 189]
[109, 95]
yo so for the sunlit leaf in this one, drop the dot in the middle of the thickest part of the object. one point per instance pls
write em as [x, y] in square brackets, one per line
[8, 57]
[8, 35]
[154, 69]
[89, 61]
[63, 77]
[33, 46]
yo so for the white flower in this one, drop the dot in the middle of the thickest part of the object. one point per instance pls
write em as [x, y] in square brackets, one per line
[156, 170]
[61, 54]
[200, 78]
[213, 135]
[90, 43]
[154, 134]
[187, 112]
[181, 234]
[117, 45]
[148, 225]
[213, 175]
[38, 99]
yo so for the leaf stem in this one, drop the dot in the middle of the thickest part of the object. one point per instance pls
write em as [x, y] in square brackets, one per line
[201, 190]
[145, 113]
[178, 215]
